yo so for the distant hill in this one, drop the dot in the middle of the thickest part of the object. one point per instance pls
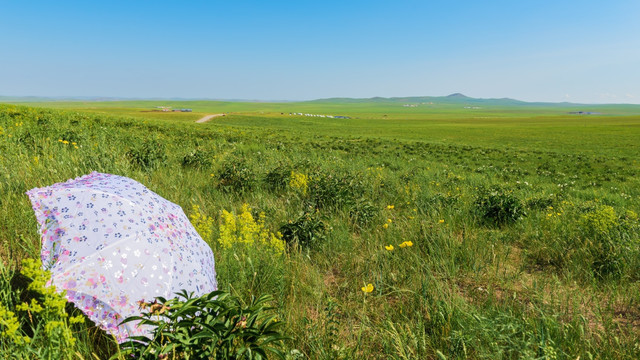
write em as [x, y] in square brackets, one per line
[463, 100]
[456, 98]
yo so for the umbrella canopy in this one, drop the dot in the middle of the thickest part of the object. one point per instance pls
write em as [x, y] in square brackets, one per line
[111, 242]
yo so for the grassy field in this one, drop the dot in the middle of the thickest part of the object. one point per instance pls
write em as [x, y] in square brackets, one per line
[522, 220]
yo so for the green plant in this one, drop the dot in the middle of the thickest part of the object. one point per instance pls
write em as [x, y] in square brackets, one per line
[612, 240]
[331, 189]
[148, 155]
[307, 230]
[198, 159]
[236, 176]
[498, 206]
[362, 212]
[278, 178]
[213, 326]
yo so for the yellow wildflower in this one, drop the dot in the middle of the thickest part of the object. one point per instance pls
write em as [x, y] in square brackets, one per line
[389, 247]
[440, 221]
[299, 182]
[389, 221]
[390, 207]
[367, 289]
[385, 226]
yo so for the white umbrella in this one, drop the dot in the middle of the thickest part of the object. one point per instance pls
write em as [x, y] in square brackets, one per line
[110, 242]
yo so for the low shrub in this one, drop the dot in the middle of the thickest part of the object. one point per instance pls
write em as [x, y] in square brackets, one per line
[612, 240]
[278, 178]
[148, 155]
[213, 326]
[362, 212]
[498, 206]
[197, 159]
[236, 176]
[307, 230]
[334, 189]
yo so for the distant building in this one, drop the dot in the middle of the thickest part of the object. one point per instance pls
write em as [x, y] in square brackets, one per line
[584, 113]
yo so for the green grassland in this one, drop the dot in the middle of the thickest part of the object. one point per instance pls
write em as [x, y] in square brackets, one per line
[522, 218]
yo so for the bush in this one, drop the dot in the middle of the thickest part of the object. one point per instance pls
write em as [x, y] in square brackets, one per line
[334, 190]
[612, 239]
[148, 155]
[278, 178]
[363, 212]
[213, 326]
[236, 176]
[197, 159]
[307, 230]
[498, 206]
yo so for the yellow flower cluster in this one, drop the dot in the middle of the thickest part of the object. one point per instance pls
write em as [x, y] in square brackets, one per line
[9, 326]
[243, 228]
[202, 223]
[299, 182]
[600, 221]
[403, 245]
[65, 142]
[406, 244]
[51, 310]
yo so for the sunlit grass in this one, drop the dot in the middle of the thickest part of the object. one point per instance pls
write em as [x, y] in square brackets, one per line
[403, 257]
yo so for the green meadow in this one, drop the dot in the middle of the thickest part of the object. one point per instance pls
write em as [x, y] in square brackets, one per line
[456, 228]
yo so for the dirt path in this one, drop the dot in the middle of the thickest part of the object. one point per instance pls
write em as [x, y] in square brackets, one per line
[209, 117]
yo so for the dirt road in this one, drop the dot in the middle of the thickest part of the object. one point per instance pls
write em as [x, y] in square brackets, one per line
[209, 117]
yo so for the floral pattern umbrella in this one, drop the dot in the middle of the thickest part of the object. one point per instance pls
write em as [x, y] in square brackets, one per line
[110, 242]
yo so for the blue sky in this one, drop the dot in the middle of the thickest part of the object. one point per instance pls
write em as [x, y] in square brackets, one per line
[580, 51]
